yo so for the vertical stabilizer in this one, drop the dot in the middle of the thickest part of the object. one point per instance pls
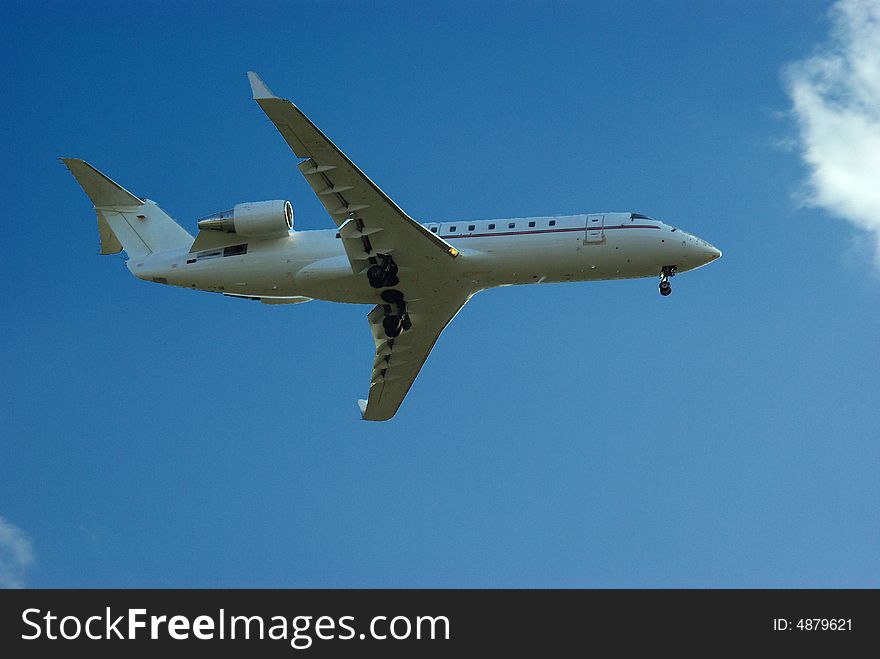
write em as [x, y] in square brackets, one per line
[126, 221]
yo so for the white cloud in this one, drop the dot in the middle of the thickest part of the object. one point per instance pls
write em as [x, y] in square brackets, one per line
[16, 555]
[836, 101]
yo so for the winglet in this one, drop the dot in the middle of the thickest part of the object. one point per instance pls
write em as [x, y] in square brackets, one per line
[258, 87]
[362, 404]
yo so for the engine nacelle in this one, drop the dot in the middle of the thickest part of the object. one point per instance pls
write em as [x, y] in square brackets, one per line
[260, 219]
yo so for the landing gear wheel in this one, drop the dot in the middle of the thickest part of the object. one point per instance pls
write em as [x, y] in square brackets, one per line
[383, 274]
[666, 272]
[392, 326]
[389, 271]
[392, 296]
[376, 275]
[405, 323]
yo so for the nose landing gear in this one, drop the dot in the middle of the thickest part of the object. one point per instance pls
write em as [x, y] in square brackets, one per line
[666, 272]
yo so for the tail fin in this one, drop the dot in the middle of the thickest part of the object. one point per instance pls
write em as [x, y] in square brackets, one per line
[125, 221]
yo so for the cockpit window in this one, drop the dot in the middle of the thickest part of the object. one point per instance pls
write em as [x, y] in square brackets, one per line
[639, 216]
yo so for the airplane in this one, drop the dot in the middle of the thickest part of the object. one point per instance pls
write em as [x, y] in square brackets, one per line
[417, 276]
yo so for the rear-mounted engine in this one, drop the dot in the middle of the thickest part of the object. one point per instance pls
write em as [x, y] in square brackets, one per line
[260, 219]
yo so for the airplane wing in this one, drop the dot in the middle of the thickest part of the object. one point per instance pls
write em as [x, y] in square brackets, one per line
[370, 223]
[373, 228]
[399, 360]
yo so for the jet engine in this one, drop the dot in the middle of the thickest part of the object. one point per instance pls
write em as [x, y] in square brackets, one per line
[260, 219]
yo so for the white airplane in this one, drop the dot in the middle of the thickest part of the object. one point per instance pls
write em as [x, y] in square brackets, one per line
[418, 276]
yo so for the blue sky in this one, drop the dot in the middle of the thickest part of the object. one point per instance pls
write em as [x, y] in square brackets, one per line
[577, 435]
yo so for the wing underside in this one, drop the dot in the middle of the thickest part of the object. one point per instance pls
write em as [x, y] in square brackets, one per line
[399, 359]
[377, 225]
[417, 298]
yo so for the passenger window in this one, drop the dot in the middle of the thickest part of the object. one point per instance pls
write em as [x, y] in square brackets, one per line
[552, 223]
[511, 225]
[531, 224]
[452, 228]
[337, 235]
[472, 227]
[433, 229]
[491, 226]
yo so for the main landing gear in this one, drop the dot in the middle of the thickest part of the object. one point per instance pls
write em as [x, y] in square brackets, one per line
[666, 272]
[396, 317]
[384, 273]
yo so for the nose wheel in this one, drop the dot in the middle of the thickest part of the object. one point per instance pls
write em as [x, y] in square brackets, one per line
[666, 272]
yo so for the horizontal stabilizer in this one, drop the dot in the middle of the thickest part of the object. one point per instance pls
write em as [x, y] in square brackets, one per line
[104, 192]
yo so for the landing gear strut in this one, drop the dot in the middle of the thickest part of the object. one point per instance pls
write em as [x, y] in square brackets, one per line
[384, 273]
[666, 272]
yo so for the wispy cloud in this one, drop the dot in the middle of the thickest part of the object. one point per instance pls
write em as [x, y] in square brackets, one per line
[16, 555]
[836, 100]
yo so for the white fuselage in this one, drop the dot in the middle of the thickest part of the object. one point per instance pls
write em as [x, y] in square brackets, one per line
[535, 250]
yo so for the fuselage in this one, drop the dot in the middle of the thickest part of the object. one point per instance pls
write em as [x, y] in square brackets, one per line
[500, 252]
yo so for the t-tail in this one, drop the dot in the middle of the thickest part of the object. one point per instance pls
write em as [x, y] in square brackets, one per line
[127, 222]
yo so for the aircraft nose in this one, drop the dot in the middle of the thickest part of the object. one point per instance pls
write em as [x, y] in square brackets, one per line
[712, 253]
[704, 251]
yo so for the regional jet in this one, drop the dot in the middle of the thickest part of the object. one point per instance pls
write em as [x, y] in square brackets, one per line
[417, 276]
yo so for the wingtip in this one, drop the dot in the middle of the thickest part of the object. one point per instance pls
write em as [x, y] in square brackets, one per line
[258, 87]
[362, 406]
[76, 164]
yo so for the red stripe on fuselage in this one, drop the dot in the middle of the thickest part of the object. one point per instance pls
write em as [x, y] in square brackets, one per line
[539, 231]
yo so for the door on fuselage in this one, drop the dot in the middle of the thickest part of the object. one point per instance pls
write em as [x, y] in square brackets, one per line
[595, 229]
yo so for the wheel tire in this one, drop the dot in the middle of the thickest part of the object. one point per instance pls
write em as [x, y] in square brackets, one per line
[392, 296]
[405, 323]
[391, 325]
[665, 288]
[376, 276]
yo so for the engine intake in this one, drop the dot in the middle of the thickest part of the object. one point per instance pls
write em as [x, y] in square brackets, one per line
[260, 219]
